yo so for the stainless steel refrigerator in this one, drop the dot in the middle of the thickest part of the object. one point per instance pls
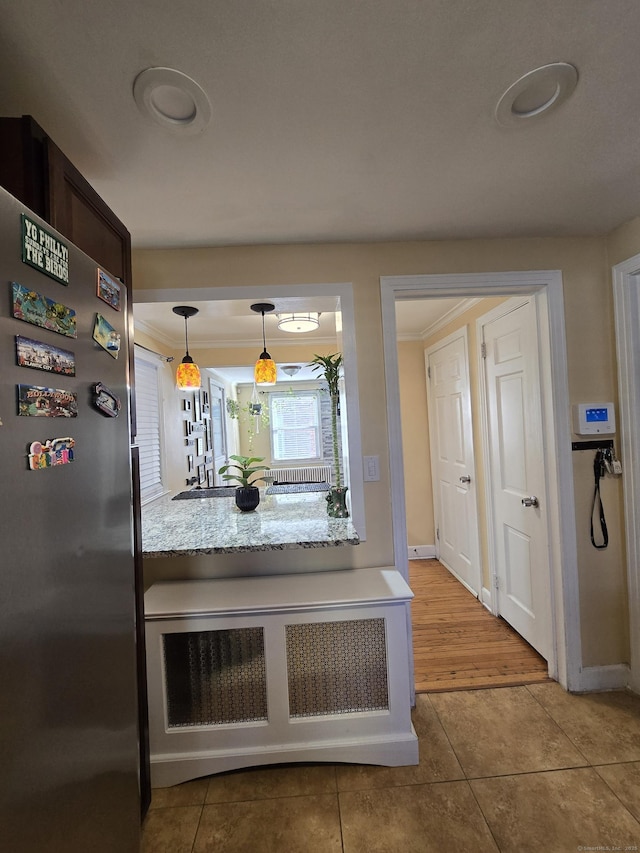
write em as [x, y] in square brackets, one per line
[68, 725]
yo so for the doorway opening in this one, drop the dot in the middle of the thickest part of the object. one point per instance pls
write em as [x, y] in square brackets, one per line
[481, 371]
[546, 286]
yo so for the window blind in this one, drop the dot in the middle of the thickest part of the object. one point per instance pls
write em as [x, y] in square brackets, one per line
[148, 436]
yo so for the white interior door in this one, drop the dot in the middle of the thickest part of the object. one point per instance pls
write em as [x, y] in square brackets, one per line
[452, 462]
[518, 502]
[218, 434]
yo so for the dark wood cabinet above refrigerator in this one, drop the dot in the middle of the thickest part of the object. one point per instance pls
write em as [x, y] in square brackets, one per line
[35, 171]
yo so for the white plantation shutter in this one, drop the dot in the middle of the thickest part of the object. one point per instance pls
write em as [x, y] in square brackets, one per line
[148, 436]
[295, 426]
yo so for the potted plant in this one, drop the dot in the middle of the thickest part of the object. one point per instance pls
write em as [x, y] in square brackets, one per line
[329, 367]
[247, 495]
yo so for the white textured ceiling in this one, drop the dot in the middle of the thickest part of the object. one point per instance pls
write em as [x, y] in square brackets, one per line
[337, 120]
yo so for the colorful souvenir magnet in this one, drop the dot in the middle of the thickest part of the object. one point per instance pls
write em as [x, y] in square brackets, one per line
[41, 356]
[37, 402]
[105, 400]
[108, 289]
[33, 307]
[55, 451]
[106, 336]
[43, 251]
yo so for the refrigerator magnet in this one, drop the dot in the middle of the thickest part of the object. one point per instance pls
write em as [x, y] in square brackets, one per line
[37, 402]
[43, 251]
[105, 400]
[54, 451]
[41, 356]
[108, 290]
[105, 335]
[33, 307]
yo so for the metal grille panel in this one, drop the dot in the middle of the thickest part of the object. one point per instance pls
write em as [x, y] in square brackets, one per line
[215, 677]
[337, 667]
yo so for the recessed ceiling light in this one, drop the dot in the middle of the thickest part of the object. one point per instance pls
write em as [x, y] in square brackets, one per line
[172, 99]
[536, 93]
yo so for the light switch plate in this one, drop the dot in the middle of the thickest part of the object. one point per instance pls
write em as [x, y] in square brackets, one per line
[371, 466]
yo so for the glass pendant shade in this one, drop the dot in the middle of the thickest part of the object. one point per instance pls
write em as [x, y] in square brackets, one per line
[299, 322]
[188, 375]
[265, 370]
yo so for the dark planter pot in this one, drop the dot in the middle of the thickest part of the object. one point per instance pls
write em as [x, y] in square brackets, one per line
[337, 502]
[247, 498]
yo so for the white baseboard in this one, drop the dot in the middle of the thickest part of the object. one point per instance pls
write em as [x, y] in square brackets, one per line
[422, 552]
[593, 678]
[390, 750]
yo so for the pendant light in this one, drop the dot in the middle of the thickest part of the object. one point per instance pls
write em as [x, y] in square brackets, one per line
[188, 373]
[265, 369]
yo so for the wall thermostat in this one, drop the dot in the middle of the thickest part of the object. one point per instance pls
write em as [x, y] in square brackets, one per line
[594, 419]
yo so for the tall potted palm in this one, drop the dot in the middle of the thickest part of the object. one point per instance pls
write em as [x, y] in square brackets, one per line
[328, 366]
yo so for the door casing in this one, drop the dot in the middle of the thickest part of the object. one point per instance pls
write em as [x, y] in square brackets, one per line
[566, 663]
[626, 298]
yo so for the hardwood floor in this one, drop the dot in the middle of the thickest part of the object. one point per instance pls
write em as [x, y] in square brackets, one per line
[457, 643]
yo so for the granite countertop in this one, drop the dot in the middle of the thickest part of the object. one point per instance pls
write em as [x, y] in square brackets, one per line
[216, 526]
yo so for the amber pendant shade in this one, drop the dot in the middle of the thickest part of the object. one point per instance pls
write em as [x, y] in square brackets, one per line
[265, 370]
[188, 376]
[188, 373]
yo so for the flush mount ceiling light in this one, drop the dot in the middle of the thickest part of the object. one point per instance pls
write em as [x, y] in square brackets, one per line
[172, 99]
[188, 373]
[265, 370]
[291, 369]
[299, 321]
[536, 93]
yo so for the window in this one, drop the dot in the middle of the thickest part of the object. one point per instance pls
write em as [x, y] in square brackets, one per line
[295, 426]
[148, 437]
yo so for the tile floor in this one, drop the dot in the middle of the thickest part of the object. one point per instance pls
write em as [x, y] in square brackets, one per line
[524, 769]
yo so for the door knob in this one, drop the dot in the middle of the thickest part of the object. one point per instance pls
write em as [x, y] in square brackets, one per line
[465, 479]
[532, 501]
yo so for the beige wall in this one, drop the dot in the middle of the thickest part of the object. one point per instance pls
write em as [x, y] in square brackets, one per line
[415, 443]
[624, 242]
[592, 375]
